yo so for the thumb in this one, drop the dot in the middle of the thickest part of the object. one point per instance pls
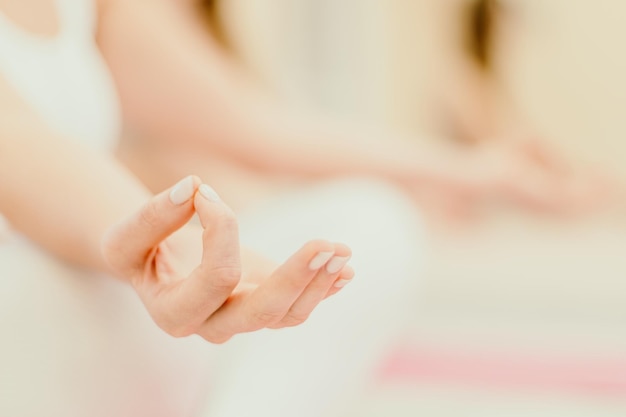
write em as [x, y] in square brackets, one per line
[126, 246]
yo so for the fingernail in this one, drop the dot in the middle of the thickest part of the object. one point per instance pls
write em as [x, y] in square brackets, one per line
[209, 193]
[182, 192]
[320, 260]
[342, 283]
[336, 264]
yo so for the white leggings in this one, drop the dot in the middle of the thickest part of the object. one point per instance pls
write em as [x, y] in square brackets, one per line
[77, 345]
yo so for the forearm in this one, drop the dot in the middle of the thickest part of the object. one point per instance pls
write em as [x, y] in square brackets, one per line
[60, 194]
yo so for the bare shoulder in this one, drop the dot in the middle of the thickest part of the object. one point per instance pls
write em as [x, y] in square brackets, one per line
[102, 6]
[109, 9]
[105, 6]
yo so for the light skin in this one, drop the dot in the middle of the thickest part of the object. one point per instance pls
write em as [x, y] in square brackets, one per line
[214, 297]
[86, 208]
[174, 84]
[219, 114]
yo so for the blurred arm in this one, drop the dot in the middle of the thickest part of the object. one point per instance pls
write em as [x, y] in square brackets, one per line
[175, 83]
[61, 195]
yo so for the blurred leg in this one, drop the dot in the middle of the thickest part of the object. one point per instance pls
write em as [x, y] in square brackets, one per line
[77, 345]
[308, 370]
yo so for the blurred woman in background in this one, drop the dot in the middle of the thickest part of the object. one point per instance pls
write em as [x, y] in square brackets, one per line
[311, 147]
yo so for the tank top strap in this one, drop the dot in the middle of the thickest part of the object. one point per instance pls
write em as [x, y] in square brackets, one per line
[78, 17]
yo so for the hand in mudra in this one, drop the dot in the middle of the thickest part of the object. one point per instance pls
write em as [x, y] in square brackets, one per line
[527, 174]
[220, 297]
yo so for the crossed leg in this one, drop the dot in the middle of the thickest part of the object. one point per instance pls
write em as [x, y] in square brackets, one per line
[310, 370]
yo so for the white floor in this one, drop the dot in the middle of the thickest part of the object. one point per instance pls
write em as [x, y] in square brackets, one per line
[525, 289]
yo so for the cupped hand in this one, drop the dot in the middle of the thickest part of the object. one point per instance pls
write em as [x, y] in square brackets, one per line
[219, 297]
[532, 175]
[525, 174]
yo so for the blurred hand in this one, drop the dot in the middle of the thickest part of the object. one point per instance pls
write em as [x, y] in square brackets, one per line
[195, 283]
[525, 174]
[535, 177]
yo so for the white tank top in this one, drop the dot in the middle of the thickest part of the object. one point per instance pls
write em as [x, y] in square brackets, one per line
[64, 78]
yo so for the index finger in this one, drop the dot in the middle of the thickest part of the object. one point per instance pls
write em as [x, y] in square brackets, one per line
[128, 244]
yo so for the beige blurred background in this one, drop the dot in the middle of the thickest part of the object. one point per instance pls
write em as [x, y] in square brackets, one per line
[532, 290]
